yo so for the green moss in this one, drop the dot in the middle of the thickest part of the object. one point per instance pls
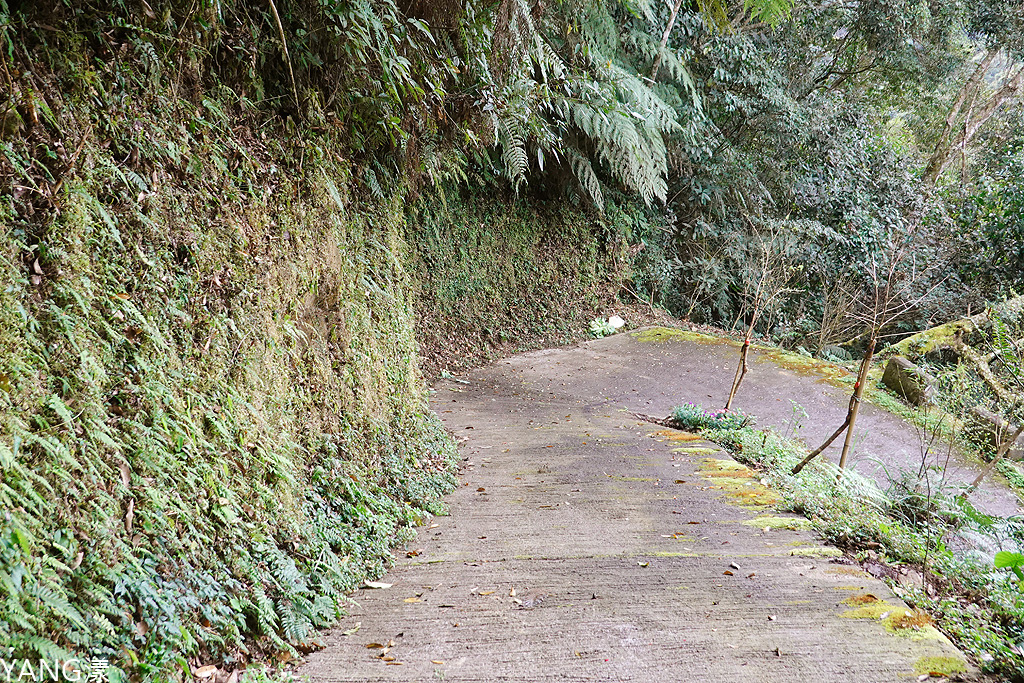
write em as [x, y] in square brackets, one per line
[938, 665]
[671, 554]
[930, 340]
[737, 482]
[665, 334]
[675, 435]
[871, 610]
[776, 523]
[696, 450]
[816, 552]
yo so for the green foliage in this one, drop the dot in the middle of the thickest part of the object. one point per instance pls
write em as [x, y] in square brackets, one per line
[1013, 561]
[599, 327]
[553, 268]
[212, 422]
[693, 416]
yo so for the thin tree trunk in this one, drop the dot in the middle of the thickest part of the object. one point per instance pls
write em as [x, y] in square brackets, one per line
[941, 158]
[664, 38]
[971, 86]
[858, 392]
[284, 50]
[851, 412]
[1003, 449]
[828, 442]
[741, 370]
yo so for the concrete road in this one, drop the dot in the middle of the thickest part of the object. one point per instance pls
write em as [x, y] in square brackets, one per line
[584, 545]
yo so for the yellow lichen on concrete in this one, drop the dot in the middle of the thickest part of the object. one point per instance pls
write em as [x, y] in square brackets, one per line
[675, 435]
[847, 571]
[736, 481]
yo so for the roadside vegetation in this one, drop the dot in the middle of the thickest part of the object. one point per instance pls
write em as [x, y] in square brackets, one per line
[935, 549]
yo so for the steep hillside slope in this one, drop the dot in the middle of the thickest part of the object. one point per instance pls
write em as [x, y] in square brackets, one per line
[212, 418]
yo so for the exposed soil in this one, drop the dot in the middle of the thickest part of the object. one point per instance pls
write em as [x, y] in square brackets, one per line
[585, 545]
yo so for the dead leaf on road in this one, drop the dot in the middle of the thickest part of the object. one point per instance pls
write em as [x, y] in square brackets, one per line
[352, 631]
[380, 585]
[205, 671]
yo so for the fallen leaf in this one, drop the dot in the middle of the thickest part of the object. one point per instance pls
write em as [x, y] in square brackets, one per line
[205, 671]
[125, 474]
[485, 592]
[388, 658]
[733, 565]
[412, 600]
[727, 572]
[680, 481]
[771, 617]
[412, 553]
[379, 585]
[437, 661]
[751, 575]
[375, 646]
[643, 564]
[394, 663]
[481, 489]
[352, 631]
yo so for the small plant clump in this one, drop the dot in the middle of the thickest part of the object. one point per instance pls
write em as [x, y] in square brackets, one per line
[693, 416]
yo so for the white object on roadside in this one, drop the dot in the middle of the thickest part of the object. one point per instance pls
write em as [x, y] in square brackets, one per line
[616, 322]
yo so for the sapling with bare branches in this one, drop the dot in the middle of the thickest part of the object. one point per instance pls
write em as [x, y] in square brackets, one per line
[892, 294]
[772, 275]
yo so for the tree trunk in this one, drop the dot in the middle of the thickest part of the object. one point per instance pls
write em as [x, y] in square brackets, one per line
[741, 370]
[858, 392]
[664, 38]
[851, 412]
[1003, 449]
[941, 157]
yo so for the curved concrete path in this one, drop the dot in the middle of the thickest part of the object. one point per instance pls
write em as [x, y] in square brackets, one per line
[584, 545]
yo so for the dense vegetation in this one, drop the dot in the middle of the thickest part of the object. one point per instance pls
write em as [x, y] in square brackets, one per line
[231, 228]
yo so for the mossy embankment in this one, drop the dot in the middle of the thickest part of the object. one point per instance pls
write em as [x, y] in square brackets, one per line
[213, 421]
[498, 274]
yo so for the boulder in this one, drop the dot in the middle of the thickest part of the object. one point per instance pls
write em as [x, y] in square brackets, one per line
[909, 381]
[993, 430]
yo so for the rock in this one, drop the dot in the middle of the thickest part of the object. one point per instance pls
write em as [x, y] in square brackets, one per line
[909, 381]
[993, 429]
[616, 322]
[911, 578]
